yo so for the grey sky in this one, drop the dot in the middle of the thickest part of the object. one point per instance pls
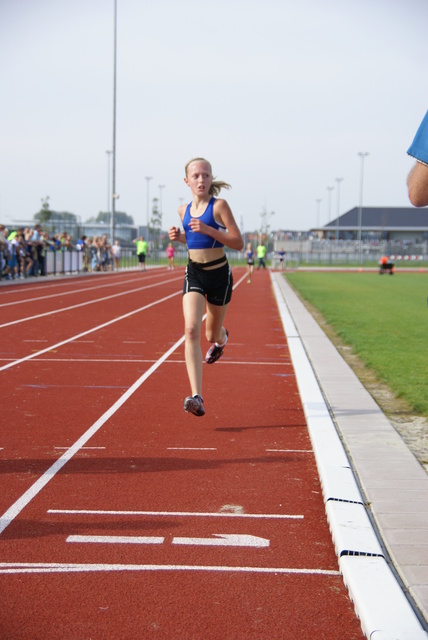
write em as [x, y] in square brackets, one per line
[280, 95]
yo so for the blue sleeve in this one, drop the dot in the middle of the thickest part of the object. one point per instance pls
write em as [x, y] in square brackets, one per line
[419, 147]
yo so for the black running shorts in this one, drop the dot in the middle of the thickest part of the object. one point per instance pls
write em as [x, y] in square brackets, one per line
[215, 284]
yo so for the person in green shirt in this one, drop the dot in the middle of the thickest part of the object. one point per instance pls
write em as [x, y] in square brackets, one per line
[261, 252]
[141, 245]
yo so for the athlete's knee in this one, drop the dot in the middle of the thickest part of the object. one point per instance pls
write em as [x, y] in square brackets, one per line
[192, 333]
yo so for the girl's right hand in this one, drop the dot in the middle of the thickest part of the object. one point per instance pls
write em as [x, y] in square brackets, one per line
[174, 233]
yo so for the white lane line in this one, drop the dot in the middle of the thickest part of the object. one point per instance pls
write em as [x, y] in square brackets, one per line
[94, 387]
[140, 360]
[64, 293]
[107, 360]
[87, 303]
[116, 539]
[53, 567]
[217, 540]
[51, 285]
[85, 333]
[190, 514]
[244, 277]
[224, 540]
[32, 492]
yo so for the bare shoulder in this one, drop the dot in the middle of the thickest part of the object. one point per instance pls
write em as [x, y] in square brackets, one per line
[222, 212]
[220, 203]
[223, 215]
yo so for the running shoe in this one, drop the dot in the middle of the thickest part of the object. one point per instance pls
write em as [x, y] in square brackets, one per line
[194, 404]
[215, 352]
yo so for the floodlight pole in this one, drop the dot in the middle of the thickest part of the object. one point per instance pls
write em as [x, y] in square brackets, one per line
[114, 196]
[108, 179]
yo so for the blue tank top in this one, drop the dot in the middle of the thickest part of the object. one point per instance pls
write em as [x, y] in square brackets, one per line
[200, 240]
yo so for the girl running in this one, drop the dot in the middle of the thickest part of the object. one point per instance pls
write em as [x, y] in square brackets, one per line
[250, 261]
[170, 251]
[209, 226]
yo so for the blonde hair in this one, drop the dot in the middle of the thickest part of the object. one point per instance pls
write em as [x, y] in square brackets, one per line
[216, 185]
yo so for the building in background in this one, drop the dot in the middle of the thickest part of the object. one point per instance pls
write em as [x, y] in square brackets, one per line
[378, 224]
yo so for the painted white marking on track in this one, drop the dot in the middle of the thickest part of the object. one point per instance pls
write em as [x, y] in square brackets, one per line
[60, 294]
[70, 282]
[85, 333]
[190, 514]
[17, 567]
[87, 303]
[244, 363]
[217, 540]
[117, 539]
[16, 508]
[41, 482]
[224, 540]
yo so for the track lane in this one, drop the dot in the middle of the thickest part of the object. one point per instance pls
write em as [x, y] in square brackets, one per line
[251, 451]
[36, 287]
[45, 328]
[45, 307]
[71, 287]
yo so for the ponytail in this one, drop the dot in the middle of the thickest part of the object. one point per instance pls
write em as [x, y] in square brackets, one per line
[217, 186]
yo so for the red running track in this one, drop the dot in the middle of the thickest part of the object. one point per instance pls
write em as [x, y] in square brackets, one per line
[125, 517]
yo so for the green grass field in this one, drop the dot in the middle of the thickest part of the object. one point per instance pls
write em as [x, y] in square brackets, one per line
[383, 318]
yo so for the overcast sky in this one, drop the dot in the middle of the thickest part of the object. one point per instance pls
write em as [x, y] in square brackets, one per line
[280, 96]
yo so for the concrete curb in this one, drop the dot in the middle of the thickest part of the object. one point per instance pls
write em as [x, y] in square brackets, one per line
[383, 608]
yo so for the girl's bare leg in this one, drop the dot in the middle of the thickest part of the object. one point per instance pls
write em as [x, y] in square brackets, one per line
[214, 329]
[193, 310]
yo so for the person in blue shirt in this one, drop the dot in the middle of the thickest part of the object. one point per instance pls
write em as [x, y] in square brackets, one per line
[281, 255]
[208, 226]
[417, 181]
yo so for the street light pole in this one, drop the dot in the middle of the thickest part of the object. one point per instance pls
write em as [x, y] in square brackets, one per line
[360, 208]
[114, 195]
[148, 178]
[338, 180]
[108, 180]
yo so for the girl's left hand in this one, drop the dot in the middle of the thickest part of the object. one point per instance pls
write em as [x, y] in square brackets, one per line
[198, 227]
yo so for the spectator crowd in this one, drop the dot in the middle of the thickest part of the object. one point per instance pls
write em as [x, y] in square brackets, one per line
[23, 251]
